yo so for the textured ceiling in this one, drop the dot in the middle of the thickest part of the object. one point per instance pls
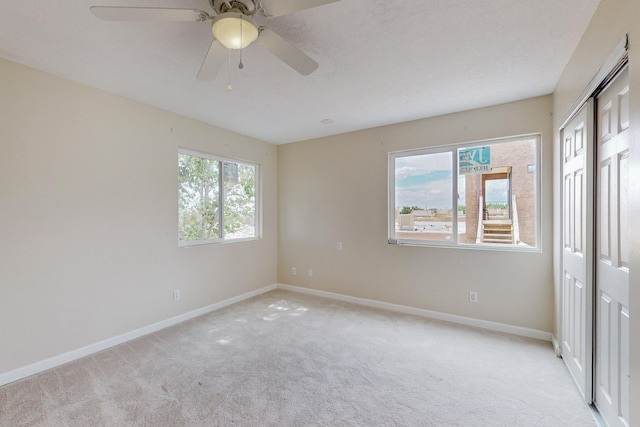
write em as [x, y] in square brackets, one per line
[381, 61]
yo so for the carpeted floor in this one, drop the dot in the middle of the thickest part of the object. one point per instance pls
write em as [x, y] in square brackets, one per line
[287, 359]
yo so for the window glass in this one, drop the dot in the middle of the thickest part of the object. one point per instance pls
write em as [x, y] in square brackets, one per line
[423, 196]
[491, 185]
[239, 201]
[217, 199]
[198, 198]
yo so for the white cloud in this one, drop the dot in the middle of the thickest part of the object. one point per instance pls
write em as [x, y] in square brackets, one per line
[435, 194]
[422, 164]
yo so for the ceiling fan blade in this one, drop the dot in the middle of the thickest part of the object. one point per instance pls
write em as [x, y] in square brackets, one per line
[282, 7]
[112, 13]
[213, 61]
[288, 53]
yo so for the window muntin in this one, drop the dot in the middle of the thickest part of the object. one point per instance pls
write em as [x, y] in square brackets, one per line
[496, 197]
[217, 199]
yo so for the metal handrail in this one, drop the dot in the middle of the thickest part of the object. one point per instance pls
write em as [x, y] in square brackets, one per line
[480, 232]
[516, 226]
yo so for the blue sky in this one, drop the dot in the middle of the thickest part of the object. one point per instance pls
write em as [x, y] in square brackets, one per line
[424, 181]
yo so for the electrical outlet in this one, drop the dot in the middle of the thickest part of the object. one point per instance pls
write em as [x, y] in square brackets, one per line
[473, 296]
[339, 246]
[310, 273]
[294, 271]
[176, 294]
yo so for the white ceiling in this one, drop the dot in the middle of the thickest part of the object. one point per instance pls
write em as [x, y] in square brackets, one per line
[381, 61]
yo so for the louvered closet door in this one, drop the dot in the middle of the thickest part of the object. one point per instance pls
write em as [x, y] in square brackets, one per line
[612, 253]
[577, 260]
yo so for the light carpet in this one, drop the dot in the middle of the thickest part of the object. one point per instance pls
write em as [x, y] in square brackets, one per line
[288, 359]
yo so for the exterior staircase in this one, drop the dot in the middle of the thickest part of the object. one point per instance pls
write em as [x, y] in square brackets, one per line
[505, 231]
[498, 231]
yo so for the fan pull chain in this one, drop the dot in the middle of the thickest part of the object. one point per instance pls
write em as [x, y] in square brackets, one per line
[229, 87]
[241, 65]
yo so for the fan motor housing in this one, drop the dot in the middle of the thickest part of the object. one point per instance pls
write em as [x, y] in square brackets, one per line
[246, 7]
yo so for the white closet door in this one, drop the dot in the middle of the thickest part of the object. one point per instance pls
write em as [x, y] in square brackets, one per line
[577, 241]
[612, 253]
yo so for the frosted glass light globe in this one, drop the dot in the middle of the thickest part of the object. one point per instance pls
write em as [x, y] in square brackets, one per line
[233, 31]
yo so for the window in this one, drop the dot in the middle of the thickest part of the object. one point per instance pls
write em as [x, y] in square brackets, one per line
[217, 199]
[482, 194]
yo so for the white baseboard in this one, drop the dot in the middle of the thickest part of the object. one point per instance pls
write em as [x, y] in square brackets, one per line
[468, 321]
[43, 365]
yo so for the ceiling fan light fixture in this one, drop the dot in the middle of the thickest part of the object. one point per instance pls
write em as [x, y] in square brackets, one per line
[234, 31]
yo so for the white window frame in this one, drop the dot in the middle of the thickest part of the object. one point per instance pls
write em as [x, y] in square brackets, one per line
[453, 149]
[258, 200]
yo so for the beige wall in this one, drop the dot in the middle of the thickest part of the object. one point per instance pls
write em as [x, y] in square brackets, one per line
[88, 217]
[612, 20]
[335, 189]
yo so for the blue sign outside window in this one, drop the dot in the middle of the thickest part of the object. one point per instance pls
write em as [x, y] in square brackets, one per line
[474, 160]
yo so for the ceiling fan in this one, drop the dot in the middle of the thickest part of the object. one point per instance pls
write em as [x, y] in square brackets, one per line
[233, 27]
